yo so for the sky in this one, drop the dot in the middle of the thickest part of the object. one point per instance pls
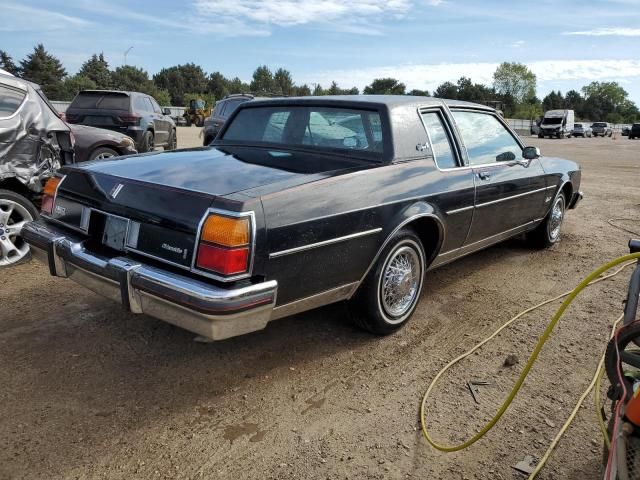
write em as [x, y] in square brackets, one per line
[423, 43]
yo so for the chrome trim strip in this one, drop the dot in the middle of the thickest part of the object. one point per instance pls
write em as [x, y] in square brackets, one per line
[390, 236]
[331, 241]
[460, 210]
[506, 199]
[314, 301]
[456, 253]
[252, 245]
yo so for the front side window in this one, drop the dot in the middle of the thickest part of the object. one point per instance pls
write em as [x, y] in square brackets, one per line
[486, 139]
[10, 100]
[318, 127]
[440, 142]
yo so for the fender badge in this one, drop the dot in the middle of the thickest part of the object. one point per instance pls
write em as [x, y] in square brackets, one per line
[116, 190]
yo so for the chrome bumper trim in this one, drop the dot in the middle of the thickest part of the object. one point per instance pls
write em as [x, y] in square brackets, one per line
[200, 307]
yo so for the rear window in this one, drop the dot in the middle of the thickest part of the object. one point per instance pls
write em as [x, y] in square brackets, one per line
[317, 127]
[101, 101]
[10, 100]
[599, 124]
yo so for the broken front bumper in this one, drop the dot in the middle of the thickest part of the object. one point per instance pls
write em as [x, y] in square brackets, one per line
[200, 307]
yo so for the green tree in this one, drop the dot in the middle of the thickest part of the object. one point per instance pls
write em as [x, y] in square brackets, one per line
[130, 78]
[515, 79]
[419, 93]
[318, 90]
[7, 64]
[46, 70]
[262, 83]
[553, 101]
[446, 90]
[162, 97]
[574, 101]
[180, 79]
[385, 86]
[283, 83]
[97, 70]
[218, 85]
[303, 90]
[72, 85]
[235, 85]
[474, 92]
[607, 101]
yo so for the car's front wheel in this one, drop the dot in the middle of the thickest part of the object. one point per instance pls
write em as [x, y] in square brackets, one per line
[548, 232]
[102, 153]
[390, 293]
[15, 212]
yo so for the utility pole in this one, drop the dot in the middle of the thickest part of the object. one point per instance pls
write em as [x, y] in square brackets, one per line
[125, 54]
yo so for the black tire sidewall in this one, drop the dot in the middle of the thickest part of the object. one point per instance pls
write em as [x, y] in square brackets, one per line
[368, 299]
[146, 144]
[22, 200]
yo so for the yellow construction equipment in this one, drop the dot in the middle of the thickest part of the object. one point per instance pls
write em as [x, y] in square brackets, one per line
[196, 112]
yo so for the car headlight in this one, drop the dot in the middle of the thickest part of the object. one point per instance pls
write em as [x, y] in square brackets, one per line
[127, 142]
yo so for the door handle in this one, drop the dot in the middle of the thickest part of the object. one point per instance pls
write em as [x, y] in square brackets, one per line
[484, 175]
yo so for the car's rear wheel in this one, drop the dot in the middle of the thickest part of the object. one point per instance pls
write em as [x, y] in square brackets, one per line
[390, 293]
[15, 212]
[147, 142]
[548, 232]
[172, 143]
[102, 153]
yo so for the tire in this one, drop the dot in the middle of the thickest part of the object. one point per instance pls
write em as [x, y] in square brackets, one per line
[103, 153]
[199, 121]
[15, 209]
[172, 143]
[540, 135]
[147, 144]
[374, 306]
[626, 336]
[188, 121]
[548, 232]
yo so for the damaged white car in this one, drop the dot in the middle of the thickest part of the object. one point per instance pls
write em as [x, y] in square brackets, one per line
[34, 143]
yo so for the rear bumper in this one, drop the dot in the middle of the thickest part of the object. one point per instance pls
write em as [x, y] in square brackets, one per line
[200, 307]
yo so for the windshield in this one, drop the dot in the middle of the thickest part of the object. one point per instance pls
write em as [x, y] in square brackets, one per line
[552, 121]
[317, 127]
[101, 101]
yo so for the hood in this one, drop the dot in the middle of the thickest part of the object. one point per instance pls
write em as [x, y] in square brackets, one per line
[219, 171]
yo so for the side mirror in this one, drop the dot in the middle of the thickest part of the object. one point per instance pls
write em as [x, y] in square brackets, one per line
[531, 153]
[166, 111]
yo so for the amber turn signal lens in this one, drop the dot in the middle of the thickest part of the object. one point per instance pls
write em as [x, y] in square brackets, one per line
[49, 193]
[226, 231]
[51, 186]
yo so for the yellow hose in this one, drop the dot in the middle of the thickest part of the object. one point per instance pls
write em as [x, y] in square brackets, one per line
[592, 278]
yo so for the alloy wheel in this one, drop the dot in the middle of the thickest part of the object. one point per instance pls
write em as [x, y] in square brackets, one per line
[13, 217]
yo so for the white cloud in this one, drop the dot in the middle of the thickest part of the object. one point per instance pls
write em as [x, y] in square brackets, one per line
[16, 17]
[429, 76]
[355, 16]
[608, 32]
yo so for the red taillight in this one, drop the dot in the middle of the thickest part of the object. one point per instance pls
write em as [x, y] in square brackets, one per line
[49, 194]
[227, 261]
[225, 243]
[129, 119]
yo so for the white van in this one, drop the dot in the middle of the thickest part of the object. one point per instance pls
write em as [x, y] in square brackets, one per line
[557, 123]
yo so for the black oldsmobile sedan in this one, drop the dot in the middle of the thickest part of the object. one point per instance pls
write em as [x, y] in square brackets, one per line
[298, 203]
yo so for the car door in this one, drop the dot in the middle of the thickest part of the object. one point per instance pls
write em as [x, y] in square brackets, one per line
[455, 184]
[510, 191]
[161, 125]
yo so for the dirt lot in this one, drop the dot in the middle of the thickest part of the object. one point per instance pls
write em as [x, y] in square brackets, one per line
[91, 392]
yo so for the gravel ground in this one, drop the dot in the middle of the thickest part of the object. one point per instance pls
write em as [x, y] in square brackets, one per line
[89, 391]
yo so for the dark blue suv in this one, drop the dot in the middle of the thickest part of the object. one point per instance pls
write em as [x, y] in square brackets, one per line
[135, 114]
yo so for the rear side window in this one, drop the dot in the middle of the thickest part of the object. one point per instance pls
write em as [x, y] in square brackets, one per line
[154, 104]
[440, 142]
[140, 104]
[231, 106]
[101, 101]
[10, 100]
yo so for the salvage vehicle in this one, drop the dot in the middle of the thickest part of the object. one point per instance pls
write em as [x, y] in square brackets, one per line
[223, 110]
[580, 130]
[635, 131]
[282, 213]
[134, 114]
[557, 123]
[98, 144]
[34, 143]
[602, 129]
